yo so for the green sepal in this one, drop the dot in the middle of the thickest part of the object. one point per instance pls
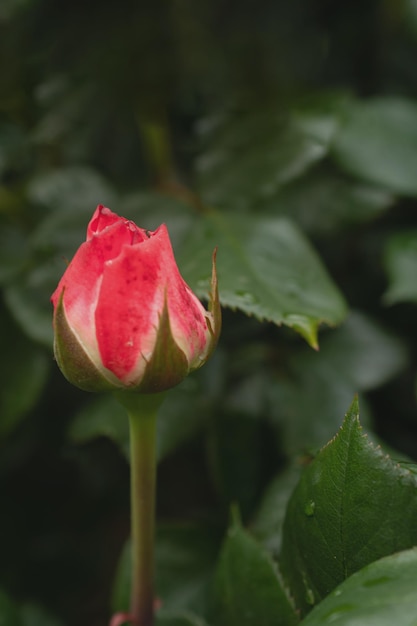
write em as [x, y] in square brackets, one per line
[73, 360]
[168, 365]
[214, 320]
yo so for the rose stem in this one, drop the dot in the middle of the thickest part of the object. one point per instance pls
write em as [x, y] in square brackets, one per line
[142, 411]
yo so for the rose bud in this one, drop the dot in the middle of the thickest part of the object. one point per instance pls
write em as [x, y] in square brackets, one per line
[124, 318]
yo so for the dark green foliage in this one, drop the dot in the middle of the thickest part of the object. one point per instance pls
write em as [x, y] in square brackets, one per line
[352, 506]
[247, 587]
[285, 134]
[382, 593]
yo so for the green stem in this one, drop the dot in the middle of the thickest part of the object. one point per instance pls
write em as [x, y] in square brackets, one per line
[142, 489]
[142, 411]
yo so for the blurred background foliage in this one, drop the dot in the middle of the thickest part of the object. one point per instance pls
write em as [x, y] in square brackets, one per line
[284, 132]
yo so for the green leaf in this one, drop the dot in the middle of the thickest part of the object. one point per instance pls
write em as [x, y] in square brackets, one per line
[151, 209]
[60, 234]
[73, 188]
[248, 157]
[377, 140]
[400, 260]
[14, 252]
[182, 417]
[323, 202]
[32, 615]
[269, 520]
[28, 299]
[185, 558]
[14, 148]
[236, 474]
[358, 356]
[10, 8]
[178, 420]
[104, 416]
[306, 411]
[247, 587]
[352, 506]
[363, 352]
[12, 614]
[266, 268]
[410, 17]
[317, 113]
[382, 594]
[178, 618]
[24, 370]
[8, 612]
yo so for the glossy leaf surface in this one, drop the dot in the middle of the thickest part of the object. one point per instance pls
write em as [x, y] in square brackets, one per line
[357, 357]
[382, 594]
[266, 269]
[400, 260]
[185, 558]
[388, 155]
[247, 587]
[353, 505]
[246, 158]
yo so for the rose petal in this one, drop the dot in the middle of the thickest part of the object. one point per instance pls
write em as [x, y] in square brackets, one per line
[103, 218]
[186, 313]
[82, 279]
[131, 297]
[116, 291]
[188, 321]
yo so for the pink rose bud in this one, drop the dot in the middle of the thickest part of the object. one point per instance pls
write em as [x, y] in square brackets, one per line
[124, 318]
